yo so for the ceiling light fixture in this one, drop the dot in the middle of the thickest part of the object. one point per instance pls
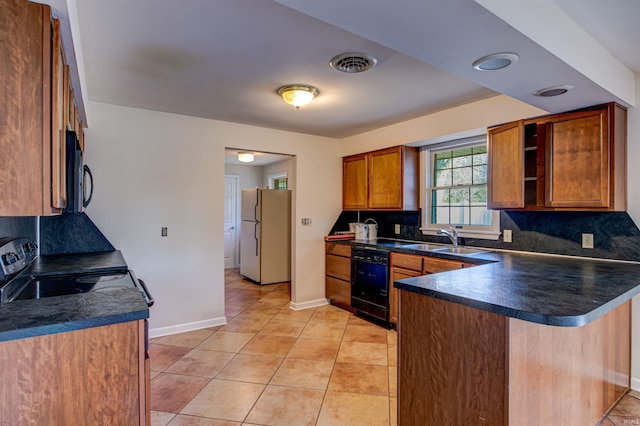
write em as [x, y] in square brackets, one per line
[496, 61]
[245, 157]
[547, 92]
[298, 94]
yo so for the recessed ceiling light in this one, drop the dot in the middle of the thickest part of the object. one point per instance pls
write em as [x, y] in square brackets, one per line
[553, 91]
[495, 61]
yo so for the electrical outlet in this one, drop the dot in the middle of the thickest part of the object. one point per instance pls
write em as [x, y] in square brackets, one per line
[587, 241]
[163, 231]
[507, 236]
[397, 228]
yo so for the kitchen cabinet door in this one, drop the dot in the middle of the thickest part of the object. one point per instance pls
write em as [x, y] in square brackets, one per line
[338, 274]
[397, 274]
[385, 179]
[433, 265]
[25, 124]
[354, 182]
[93, 376]
[577, 160]
[570, 161]
[59, 108]
[505, 147]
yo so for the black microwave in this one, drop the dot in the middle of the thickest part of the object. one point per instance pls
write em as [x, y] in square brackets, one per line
[79, 177]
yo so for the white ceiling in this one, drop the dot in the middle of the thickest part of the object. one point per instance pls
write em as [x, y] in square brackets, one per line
[224, 59]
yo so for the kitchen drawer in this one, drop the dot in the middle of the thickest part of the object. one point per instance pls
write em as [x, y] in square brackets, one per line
[338, 290]
[339, 267]
[339, 249]
[434, 265]
[406, 261]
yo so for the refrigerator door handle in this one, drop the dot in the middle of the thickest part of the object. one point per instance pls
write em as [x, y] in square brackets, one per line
[255, 235]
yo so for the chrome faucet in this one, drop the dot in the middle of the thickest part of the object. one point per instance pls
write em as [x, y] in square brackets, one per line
[453, 235]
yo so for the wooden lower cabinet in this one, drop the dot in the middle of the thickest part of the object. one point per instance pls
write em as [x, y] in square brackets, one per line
[409, 266]
[86, 377]
[459, 365]
[397, 274]
[338, 274]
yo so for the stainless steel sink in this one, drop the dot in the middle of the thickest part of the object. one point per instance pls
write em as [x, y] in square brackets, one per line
[459, 250]
[424, 247]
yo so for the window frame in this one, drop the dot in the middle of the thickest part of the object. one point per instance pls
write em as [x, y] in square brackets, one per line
[276, 176]
[427, 159]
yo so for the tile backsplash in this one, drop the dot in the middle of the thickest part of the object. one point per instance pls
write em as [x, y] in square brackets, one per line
[616, 236]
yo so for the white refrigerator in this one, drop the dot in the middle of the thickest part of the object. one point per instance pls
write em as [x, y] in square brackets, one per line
[265, 235]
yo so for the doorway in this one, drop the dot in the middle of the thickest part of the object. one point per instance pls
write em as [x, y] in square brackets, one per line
[231, 203]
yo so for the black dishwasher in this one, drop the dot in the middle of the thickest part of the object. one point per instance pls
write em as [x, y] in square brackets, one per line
[370, 283]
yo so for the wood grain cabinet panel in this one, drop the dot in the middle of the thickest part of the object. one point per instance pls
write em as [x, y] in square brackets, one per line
[338, 274]
[25, 122]
[38, 107]
[433, 265]
[386, 179]
[505, 145]
[570, 161]
[458, 365]
[354, 182]
[85, 377]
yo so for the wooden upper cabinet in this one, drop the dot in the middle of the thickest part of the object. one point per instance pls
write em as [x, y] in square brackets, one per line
[386, 179]
[354, 182]
[25, 122]
[59, 108]
[569, 161]
[505, 146]
[584, 141]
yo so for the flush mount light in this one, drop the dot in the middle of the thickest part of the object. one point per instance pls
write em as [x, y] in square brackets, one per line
[495, 61]
[298, 94]
[553, 91]
[245, 157]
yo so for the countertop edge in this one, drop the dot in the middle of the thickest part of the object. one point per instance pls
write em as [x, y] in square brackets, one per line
[62, 327]
[544, 319]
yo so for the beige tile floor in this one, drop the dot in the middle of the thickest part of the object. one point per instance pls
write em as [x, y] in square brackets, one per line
[273, 366]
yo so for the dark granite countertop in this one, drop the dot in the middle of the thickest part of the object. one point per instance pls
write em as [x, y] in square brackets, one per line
[553, 290]
[64, 264]
[36, 317]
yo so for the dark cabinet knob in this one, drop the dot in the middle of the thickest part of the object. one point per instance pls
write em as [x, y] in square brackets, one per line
[10, 258]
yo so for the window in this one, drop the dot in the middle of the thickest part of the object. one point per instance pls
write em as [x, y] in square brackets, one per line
[456, 189]
[278, 181]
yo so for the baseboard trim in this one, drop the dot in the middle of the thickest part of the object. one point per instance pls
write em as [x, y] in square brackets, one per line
[190, 326]
[309, 304]
[635, 383]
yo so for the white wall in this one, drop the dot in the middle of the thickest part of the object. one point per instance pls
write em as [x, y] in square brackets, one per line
[280, 167]
[155, 169]
[248, 176]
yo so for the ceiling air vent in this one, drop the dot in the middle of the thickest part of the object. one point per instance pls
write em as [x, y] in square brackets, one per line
[353, 62]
